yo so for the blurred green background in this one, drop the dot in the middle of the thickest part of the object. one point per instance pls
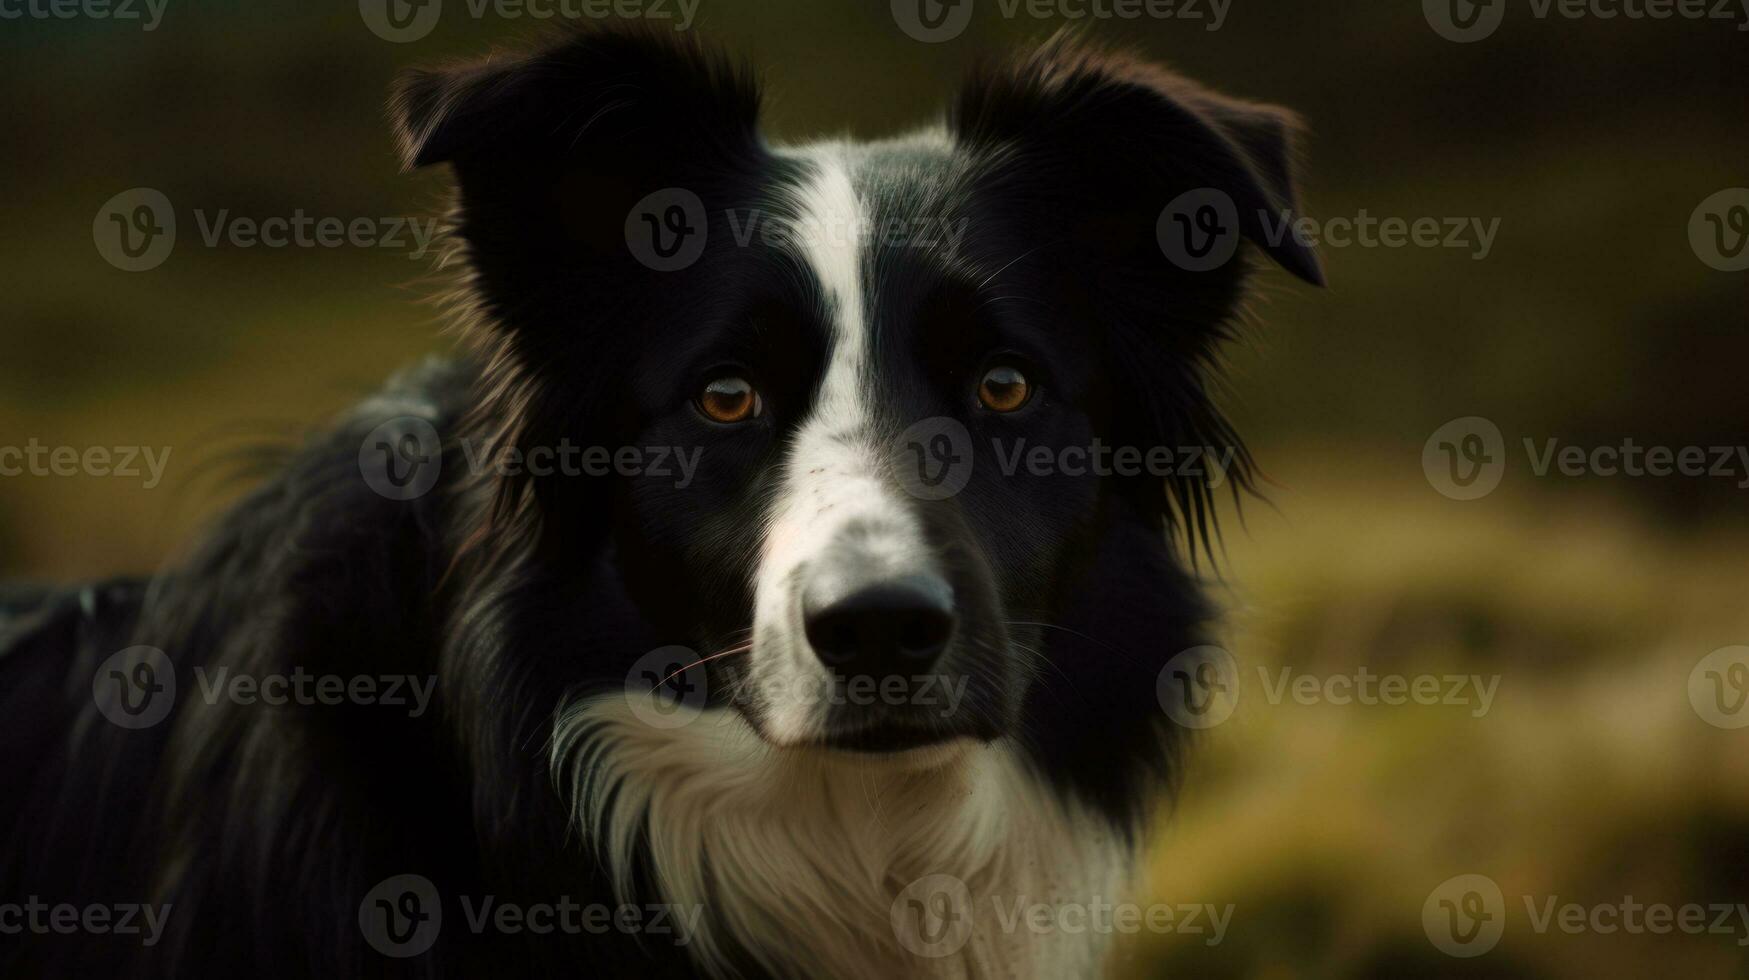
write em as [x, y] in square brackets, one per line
[1326, 826]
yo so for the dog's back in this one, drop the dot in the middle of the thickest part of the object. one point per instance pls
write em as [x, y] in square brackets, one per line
[137, 788]
[74, 785]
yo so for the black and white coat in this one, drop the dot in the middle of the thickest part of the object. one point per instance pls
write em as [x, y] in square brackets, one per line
[528, 598]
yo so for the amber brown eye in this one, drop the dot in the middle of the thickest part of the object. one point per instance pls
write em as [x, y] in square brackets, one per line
[730, 399]
[1004, 389]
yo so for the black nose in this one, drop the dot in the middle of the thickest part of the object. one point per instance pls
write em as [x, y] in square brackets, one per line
[894, 626]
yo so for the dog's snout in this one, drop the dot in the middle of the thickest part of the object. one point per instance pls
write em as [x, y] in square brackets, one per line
[883, 628]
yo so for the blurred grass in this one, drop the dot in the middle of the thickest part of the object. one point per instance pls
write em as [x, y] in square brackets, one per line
[1325, 826]
[1590, 777]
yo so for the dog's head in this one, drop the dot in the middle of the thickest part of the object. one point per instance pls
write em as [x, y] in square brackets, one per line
[872, 406]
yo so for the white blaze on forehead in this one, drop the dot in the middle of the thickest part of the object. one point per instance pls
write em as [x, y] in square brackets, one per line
[828, 226]
[834, 474]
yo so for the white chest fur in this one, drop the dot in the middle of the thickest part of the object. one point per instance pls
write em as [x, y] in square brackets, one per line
[822, 865]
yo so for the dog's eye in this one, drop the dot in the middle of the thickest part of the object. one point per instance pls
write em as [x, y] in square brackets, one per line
[730, 399]
[1004, 389]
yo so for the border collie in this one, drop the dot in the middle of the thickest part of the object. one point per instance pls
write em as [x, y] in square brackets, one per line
[871, 674]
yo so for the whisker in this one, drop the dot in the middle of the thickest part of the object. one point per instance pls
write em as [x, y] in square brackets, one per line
[1130, 654]
[1010, 262]
[742, 648]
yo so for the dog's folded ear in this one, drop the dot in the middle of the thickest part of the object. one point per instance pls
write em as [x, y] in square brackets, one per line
[1132, 137]
[624, 89]
[552, 149]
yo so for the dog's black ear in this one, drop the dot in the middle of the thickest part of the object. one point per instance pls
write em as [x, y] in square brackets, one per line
[553, 149]
[1089, 164]
[1132, 137]
[625, 89]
